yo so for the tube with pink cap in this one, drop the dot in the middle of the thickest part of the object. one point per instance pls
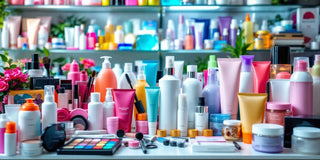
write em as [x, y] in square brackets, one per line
[301, 89]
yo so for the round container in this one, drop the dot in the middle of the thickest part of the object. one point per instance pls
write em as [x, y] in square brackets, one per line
[69, 129]
[208, 44]
[162, 133]
[192, 133]
[259, 2]
[306, 140]
[258, 43]
[216, 123]
[231, 130]
[112, 124]
[31, 148]
[175, 133]
[207, 132]
[141, 126]
[133, 144]
[142, 117]
[266, 36]
[267, 138]
[276, 112]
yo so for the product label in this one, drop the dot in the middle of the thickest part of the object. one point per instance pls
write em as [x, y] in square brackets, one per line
[91, 42]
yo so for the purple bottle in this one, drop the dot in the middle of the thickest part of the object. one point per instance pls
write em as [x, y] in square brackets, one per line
[233, 32]
[211, 92]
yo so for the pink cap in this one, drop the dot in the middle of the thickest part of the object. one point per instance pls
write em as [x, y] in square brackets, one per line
[142, 127]
[278, 106]
[80, 112]
[63, 114]
[112, 124]
[74, 67]
[301, 66]
[133, 144]
[83, 76]
[283, 75]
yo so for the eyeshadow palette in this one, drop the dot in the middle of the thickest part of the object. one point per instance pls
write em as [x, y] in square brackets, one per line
[90, 146]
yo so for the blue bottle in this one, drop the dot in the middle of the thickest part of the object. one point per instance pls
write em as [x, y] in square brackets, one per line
[211, 92]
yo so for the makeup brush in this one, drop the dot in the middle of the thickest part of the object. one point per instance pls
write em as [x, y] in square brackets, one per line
[139, 136]
[47, 63]
[89, 87]
[138, 103]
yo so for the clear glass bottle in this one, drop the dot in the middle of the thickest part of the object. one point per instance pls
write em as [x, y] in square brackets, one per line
[231, 130]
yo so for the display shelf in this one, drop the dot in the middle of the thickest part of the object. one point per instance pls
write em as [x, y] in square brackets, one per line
[205, 51]
[61, 51]
[70, 8]
[167, 152]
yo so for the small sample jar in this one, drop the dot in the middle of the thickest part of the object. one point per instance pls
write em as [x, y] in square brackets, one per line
[276, 112]
[216, 123]
[31, 148]
[267, 138]
[306, 140]
[133, 144]
[161, 133]
[175, 133]
[231, 130]
[192, 133]
[112, 124]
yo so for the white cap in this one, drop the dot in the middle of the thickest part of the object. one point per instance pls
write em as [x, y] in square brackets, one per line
[182, 102]
[234, 24]
[109, 21]
[90, 29]
[141, 75]
[152, 127]
[214, 24]
[127, 67]
[49, 93]
[95, 97]
[106, 63]
[232, 122]
[169, 61]
[109, 97]
[267, 129]
[306, 132]
[216, 36]
[225, 32]
[192, 68]
[264, 25]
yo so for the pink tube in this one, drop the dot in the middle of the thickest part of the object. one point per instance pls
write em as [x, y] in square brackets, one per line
[261, 70]
[229, 73]
[123, 104]
[14, 23]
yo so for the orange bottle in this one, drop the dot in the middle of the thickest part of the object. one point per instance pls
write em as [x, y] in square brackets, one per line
[140, 88]
[189, 40]
[105, 78]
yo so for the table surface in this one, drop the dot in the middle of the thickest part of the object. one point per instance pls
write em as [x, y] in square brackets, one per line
[167, 152]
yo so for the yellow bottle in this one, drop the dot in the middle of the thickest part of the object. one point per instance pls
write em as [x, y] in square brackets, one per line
[248, 31]
[140, 88]
[100, 39]
[109, 32]
[105, 2]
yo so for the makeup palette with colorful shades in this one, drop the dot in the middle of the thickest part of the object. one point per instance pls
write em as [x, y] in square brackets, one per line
[90, 146]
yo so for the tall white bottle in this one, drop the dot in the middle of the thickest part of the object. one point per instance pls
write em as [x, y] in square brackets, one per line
[82, 39]
[117, 71]
[183, 115]
[316, 85]
[10, 139]
[169, 90]
[5, 36]
[192, 87]
[77, 33]
[108, 107]
[49, 107]
[95, 112]
[123, 83]
[3, 122]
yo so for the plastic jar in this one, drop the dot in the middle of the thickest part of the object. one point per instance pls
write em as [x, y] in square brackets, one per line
[277, 111]
[216, 123]
[306, 140]
[266, 38]
[267, 138]
[231, 130]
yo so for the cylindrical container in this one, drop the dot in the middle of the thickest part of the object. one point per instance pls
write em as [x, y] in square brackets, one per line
[29, 2]
[201, 116]
[161, 133]
[246, 74]
[233, 32]
[258, 43]
[47, 2]
[62, 98]
[207, 132]
[69, 129]
[301, 89]
[10, 139]
[134, 144]
[316, 85]
[266, 38]
[280, 89]
[192, 133]
[113, 124]
[267, 138]
[95, 112]
[49, 107]
[63, 114]
[216, 123]
[287, 24]
[275, 69]
[142, 127]
[105, 2]
[142, 2]
[175, 133]
[31, 148]
[231, 130]
[58, 2]
[276, 112]
[29, 121]
[306, 140]
[182, 120]
[3, 122]
[153, 2]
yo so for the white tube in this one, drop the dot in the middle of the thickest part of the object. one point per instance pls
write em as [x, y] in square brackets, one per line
[280, 90]
[178, 70]
[77, 33]
[198, 27]
[69, 36]
[5, 36]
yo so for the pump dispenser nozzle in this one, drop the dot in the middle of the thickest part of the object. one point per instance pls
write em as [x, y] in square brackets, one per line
[109, 97]
[106, 63]
[141, 75]
[170, 65]
[49, 93]
[212, 63]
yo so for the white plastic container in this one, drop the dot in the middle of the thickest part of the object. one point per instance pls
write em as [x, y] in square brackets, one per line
[82, 39]
[259, 2]
[95, 112]
[201, 116]
[77, 33]
[118, 35]
[43, 36]
[117, 71]
[108, 108]
[10, 139]
[280, 90]
[306, 140]
[49, 107]
[5, 36]
[31, 148]
[3, 122]
[29, 2]
[246, 75]
[123, 83]
[183, 115]
[192, 87]
[169, 89]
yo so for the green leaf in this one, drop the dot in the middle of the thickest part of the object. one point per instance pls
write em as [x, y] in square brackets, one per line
[10, 62]
[4, 58]
[46, 52]
[13, 66]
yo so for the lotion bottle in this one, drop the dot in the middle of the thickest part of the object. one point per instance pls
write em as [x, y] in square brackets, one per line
[123, 83]
[192, 87]
[316, 85]
[10, 139]
[105, 79]
[117, 71]
[211, 92]
[169, 89]
[77, 33]
[74, 73]
[248, 31]
[118, 35]
[108, 108]
[182, 115]
[95, 112]
[201, 116]
[91, 38]
[43, 36]
[140, 87]
[225, 35]
[3, 122]
[5, 36]
[181, 28]
[82, 39]
[246, 75]
[49, 107]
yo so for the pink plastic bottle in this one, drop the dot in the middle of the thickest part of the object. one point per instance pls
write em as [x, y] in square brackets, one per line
[91, 38]
[301, 89]
[3, 122]
[74, 73]
[131, 2]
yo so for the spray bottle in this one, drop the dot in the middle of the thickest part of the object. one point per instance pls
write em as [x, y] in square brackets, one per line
[108, 107]
[49, 107]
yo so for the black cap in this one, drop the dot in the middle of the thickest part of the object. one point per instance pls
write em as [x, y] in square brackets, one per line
[166, 142]
[280, 54]
[61, 90]
[75, 91]
[173, 143]
[35, 64]
[201, 101]
[70, 101]
[27, 65]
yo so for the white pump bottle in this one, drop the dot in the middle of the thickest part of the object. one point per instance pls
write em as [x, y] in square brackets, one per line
[49, 107]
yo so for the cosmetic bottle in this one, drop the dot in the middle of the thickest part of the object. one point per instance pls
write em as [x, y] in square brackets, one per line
[192, 87]
[170, 35]
[316, 85]
[117, 71]
[82, 39]
[74, 73]
[248, 31]
[169, 89]
[105, 78]
[77, 33]
[95, 112]
[49, 107]
[189, 39]
[201, 116]
[62, 98]
[3, 122]
[140, 87]
[29, 121]
[10, 139]
[225, 35]
[213, 27]
[233, 32]
[91, 38]
[255, 24]
[118, 35]
[181, 28]
[100, 39]
[35, 70]
[43, 36]
[211, 92]
[93, 23]
[109, 31]
[246, 75]
[301, 88]
[76, 100]
[5, 36]
[123, 83]
[265, 35]
[182, 120]
[108, 108]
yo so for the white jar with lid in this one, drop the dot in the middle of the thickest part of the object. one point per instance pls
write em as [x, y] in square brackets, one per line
[306, 140]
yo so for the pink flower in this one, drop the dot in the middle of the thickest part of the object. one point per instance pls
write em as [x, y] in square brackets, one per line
[3, 86]
[66, 67]
[5, 99]
[12, 74]
[87, 63]
[24, 78]
[24, 60]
